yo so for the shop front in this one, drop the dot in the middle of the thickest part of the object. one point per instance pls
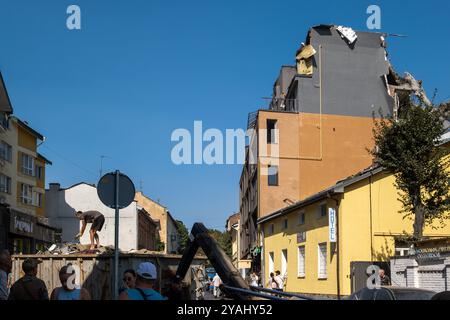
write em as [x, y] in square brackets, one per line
[26, 234]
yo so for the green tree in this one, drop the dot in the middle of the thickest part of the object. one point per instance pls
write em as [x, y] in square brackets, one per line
[223, 239]
[159, 245]
[410, 147]
[183, 236]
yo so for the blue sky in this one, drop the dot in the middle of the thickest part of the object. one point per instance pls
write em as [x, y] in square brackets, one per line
[140, 69]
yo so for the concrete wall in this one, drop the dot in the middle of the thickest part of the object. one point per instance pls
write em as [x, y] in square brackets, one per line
[433, 275]
[63, 203]
[353, 81]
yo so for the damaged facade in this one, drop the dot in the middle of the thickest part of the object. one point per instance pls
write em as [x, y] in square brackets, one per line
[322, 111]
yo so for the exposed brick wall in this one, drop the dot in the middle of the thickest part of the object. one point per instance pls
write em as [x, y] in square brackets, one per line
[432, 275]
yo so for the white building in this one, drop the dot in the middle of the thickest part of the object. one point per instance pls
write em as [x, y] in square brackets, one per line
[61, 205]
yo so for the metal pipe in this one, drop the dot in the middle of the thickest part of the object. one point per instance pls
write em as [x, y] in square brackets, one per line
[286, 294]
[251, 293]
[116, 239]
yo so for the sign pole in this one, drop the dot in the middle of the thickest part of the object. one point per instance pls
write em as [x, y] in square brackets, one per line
[116, 238]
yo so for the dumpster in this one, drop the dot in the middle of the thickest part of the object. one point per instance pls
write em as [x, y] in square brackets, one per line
[95, 272]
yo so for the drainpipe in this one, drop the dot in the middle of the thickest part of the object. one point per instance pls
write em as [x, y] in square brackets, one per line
[371, 216]
[338, 262]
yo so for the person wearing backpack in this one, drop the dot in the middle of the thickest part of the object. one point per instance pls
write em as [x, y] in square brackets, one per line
[145, 282]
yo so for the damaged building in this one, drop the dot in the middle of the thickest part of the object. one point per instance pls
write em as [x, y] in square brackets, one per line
[320, 119]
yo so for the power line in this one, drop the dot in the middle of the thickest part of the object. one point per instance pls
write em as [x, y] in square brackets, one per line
[70, 161]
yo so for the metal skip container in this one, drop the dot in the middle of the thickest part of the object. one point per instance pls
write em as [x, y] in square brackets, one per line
[95, 272]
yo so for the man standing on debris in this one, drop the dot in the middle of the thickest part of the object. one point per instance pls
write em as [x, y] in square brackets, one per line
[5, 269]
[145, 282]
[97, 219]
[29, 287]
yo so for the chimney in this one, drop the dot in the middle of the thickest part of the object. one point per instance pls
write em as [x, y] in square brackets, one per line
[54, 187]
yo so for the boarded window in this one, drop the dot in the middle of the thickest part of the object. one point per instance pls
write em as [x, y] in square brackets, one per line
[322, 261]
[301, 262]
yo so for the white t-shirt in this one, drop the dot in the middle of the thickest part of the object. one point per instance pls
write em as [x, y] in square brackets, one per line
[216, 281]
[279, 281]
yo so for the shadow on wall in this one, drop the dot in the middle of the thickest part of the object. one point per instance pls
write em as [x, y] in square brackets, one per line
[64, 218]
[385, 253]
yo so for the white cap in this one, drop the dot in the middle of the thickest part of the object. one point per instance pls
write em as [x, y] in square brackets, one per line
[147, 270]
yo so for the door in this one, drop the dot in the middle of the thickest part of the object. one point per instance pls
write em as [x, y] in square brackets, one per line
[358, 273]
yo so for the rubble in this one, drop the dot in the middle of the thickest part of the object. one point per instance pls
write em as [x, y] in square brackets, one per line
[75, 248]
[347, 34]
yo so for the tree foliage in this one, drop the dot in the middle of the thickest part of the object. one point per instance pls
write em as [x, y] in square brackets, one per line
[410, 147]
[183, 236]
[223, 239]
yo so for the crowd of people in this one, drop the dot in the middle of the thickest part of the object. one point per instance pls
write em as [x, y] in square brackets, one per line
[137, 284]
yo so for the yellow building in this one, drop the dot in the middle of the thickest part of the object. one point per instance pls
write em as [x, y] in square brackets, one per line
[319, 243]
[168, 228]
[233, 229]
[23, 226]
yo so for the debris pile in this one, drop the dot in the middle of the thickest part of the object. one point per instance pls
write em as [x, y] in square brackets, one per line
[76, 248]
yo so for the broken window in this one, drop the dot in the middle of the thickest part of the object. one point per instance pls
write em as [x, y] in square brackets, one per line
[273, 175]
[271, 131]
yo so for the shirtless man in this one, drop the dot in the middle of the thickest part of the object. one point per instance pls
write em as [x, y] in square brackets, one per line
[97, 219]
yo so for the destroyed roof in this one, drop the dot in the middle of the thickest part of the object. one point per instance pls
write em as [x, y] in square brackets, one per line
[335, 26]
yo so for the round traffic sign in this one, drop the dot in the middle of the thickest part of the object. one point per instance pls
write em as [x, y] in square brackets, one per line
[106, 190]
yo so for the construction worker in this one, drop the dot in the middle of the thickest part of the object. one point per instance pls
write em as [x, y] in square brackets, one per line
[97, 219]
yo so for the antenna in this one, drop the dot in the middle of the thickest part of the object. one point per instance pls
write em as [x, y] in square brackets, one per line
[101, 164]
[141, 184]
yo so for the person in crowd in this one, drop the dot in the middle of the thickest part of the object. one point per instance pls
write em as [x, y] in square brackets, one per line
[97, 219]
[29, 287]
[5, 270]
[216, 283]
[145, 284]
[384, 278]
[68, 289]
[254, 279]
[272, 284]
[129, 280]
[279, 280]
